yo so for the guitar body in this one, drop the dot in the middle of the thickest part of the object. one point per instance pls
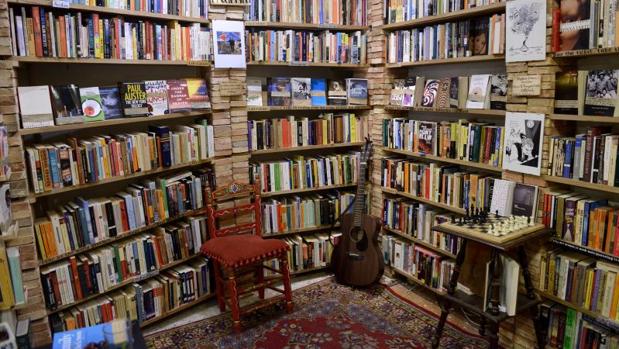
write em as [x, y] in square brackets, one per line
[357, 259]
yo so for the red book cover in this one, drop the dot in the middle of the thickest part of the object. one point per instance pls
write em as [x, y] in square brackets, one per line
[54, 279]
[36, 20]
[556, 33]
[75, 284]
[63, 36]
[86, 269]
[123, 215]
[157, 245]
[616, 247]
[178, 96]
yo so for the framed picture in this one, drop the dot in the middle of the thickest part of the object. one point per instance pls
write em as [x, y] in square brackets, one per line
[522, 151]
[229, 40]
[525, 33]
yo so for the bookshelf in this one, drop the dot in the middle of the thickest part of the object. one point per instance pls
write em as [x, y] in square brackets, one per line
[307, 230]
[482, 112]
[307, 190]
[420, 242]
[327, 147]
[471, 164]
[308, 65]
[111, 61]
[586, 250]
[424, 201]
[175, 311]
[607, 51]
[255, 109]
[584, 118]
[459, 60]
[603, 320]
[608, 189]
[304, 26]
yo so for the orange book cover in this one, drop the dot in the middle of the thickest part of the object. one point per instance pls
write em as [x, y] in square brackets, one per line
[75, 284]
[63, 36]
[280, 218]
[609, 230]
[50, 237]
[593, 223]
[285, 132]
[599, 235]
[36, 21]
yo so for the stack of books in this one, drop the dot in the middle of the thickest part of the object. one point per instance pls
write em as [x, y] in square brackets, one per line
[290, 132]
[309, 11]
[290, 46]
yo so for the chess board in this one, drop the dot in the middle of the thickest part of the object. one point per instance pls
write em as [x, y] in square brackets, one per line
[479, 232]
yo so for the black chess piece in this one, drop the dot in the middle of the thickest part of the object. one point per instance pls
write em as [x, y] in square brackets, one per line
[453, 219]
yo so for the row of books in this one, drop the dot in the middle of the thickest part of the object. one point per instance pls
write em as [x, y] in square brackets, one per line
[582, 220]
[406, 10]
[341, 12]
[587, 92]
[185, 8]
[290, 46]
[102, 269]
[12, 291]
[589, 25]
[417, 262]
[302, 172]
[462, 140]
[289, 132]
[284, 215]
[589, 157]
[416, 220]
[78, 162]
[309, 252]
[305, 92]
[481, 91]
[475, 37]
[141, 301]
[582, 281]
[452, 186]
[82, 222]
[39, 32]
[44, 106]
[567, 328]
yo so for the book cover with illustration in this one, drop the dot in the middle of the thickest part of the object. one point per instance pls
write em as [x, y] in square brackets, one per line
[178, 96]
[111, 102]
[430, 93]
[357, 91]
[601, 94]
[408, 100]
[91, 104]
[337, 92]
[575, 25]
[427, 137]
[319, 92]
[498, 91]
[301, 95]
[198, 94]
[279, 92]
[478, 96]
[133, 95]
[254, 92]
[67, 104]
[157, 96]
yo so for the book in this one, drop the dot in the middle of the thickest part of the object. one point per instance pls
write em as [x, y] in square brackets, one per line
[35, 106]
[254, 92]
[67, 104]
[134, 99]
[524, 200]
[280, 93]
[319, 92]
[357, 91]
[397, 92]
[13, 256]
[575, 26]
[601, 96]
[94, 335]
[508, 294]
[91, 104]
[498, 91]
[478, 92]
[323, 11]
[566, 92]
[430, 93]
[301, 92]
[7, 299]
[337, 93]
[427, 138]
[111, 102]
[22, 334]
[198, 94]
[178, 96]
[157, 97]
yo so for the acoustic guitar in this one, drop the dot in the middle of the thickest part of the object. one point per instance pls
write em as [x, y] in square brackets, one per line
[357, 259]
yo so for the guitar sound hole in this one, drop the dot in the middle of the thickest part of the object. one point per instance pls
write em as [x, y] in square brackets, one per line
[360, 238]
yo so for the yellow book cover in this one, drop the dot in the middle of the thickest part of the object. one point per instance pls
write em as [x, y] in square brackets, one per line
[325, 134]
[7, 299]
[589, 288]
[354, 137]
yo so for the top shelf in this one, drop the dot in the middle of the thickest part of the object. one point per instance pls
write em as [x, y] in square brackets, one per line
[152, 62]
[307, 26]
[456, 15]
[115, 11]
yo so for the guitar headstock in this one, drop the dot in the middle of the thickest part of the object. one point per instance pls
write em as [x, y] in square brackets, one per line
[366, 154]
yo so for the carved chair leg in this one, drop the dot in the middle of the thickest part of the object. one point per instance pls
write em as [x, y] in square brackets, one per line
[234, 302]
[283, 265]
[219, 287]
[259, 280]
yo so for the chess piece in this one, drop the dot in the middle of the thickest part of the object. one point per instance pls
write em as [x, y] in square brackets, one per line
[453, 219]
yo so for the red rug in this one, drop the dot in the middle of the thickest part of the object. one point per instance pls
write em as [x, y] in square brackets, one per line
[327, 315]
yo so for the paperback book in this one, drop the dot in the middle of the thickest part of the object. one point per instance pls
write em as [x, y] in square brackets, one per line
[134, 99]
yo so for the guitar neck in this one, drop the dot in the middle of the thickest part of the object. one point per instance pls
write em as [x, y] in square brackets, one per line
[359, 208]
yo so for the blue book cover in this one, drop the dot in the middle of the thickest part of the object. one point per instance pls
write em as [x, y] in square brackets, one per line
[319, 92]
[84, 205]
[85, 337]
[54, 165]
[567, 163]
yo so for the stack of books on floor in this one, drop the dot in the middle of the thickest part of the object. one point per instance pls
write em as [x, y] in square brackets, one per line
[324, 12]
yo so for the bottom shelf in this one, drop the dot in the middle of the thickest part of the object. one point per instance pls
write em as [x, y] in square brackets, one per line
[177, 310]
[599, 318]
[310, 270]
[416, 281]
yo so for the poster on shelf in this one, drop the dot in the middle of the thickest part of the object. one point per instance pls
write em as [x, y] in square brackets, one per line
[523, 143]
[526, 30]
[229, 39]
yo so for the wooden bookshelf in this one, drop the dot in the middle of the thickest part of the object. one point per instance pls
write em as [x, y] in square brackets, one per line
[597, 316]
[424, 201]
[28, 59]
[112, 123]
[255, 109]
[586, 250]
[306, 148]
[304, 26]
[307, 190]
[308, 64]
[308, 271]
[484, 112]
[175, 311]
[465, 163]
[458, 60]
[582, 184]
[300, 231]
[585, 118]
[447, 17]
[125, 283]
[120, 237]
[416, 281]
[114, 11]
[420, 242]
[587, 52]
[119, 179]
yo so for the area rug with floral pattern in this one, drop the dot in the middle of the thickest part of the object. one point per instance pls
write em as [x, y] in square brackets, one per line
[327, 315]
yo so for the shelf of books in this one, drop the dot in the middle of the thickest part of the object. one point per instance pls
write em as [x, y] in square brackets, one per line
[305, 148]
[424, 200]
[484, 112]
[76, 60]
[305, 26]
[430, 157]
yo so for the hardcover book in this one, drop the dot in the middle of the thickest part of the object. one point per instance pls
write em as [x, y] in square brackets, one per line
[178, 96]
[198, 94]
[498, 91]
[91, 104]
[430, 93]
[479, 37]
[566, 92]
[601, 96]
[254, 92]
[319, 92]
[397, 92]
[35, 106]
[67, 104]
[524, 200]
[478, 92]
[337, 92]
[427, 137]
[575, 25]
[409, 92]
[111, 102]
[357, 91]
[157, 97]
[279, 92]
[301, 95]
[134, 99]
[442, 98]
[453, 92]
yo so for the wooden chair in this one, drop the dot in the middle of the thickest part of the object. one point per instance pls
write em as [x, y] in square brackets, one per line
[238, 255]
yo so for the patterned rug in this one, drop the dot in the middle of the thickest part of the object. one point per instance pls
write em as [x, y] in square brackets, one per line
[327, 316]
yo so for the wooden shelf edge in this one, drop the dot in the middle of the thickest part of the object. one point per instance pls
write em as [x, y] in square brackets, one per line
[587, 52]
[307, 190]
[484, 112]
[420, 242]
[177, 310]
[465, 163]
[586, 250]
[309, 26]
[465, 13]
[28, 59]
[308, 65]
[305, 148]
[256, 109]
[582, 184]
[299, 231]
[471, 59]
[585, 118]
[416, 281]
[599, 317]
[114, 11]
[424, 201]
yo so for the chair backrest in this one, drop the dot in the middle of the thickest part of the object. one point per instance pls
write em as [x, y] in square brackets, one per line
[229, 202]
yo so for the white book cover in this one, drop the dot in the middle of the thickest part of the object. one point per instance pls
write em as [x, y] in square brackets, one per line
[523, 142]
[525, 33]
[35, 106]
[478, 92]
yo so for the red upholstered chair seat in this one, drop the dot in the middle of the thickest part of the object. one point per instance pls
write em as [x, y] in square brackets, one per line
[238, 250]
